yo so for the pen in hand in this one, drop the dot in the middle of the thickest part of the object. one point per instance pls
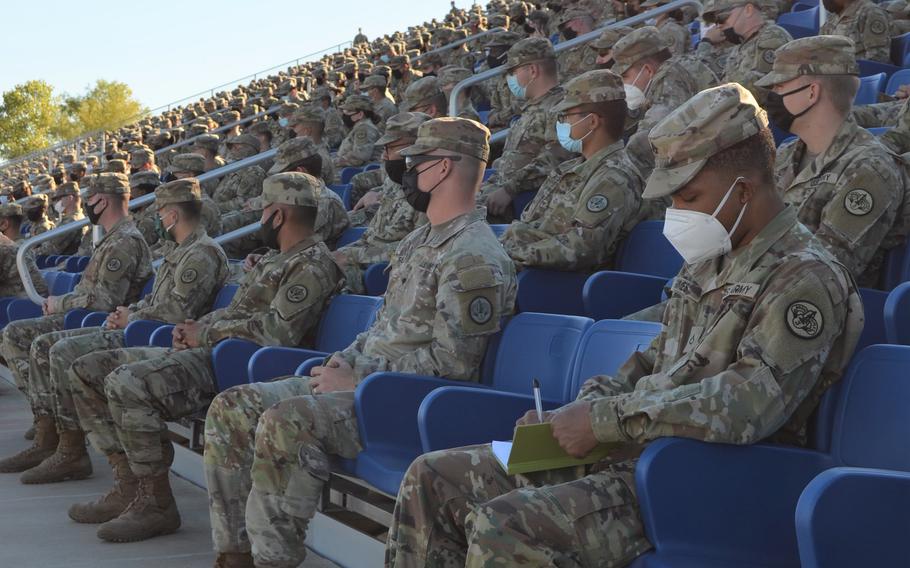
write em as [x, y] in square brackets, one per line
[538, 405]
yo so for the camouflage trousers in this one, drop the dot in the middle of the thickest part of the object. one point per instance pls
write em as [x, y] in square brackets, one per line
[124, 397]
[356, 258]
[459, 508]
[17, 343]
[266, 462]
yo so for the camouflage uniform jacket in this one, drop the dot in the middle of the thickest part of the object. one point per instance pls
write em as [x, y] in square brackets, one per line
[393, 221]
[531, 150]
[331, 216]
[10, 282]
[119, 267]
[280, 299]
[329, 174]
[749, 344]
[235, 189]
[580, 215]
[850, 197]
[334, 128]
[751, 60]
[358, 147]
[678, 36]
[384, 109]
[879, 115]
[573, 62]
[898, 138]
[399, 86]
[867, 24]
[145, 222]
[676, 81]
[280, 134]
[64, 244]
[186, 283]
[468, 111]
[449, 286]
[42, 226]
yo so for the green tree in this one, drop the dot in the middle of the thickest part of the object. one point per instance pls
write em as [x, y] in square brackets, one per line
[28, 118]
[107, 106]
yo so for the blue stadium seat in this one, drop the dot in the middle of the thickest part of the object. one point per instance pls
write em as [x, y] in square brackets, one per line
[72, 264]
[50, 276]
[484, 116]
[83, 263]
[901, 77]
[521, 202]
[900, 50]
[848, 517]
[339, 189]
[869, 88]
[647, 251]
[804, 5]
[347, 197]
[867, 68]
[612, 295]
[349, 172]
[878, 130]
[162, 336]
[551, 291]
[874, 312]
[533, 346]
[498, 230]
[139, 333]
[487, 173]
[371, 167]
[897, 267]
[22, 308]
[347, 316]
[897, 315]
[147, 287]
[73, 318]
[350, 235]
[376, 279]
[800, 24]
[40, 260]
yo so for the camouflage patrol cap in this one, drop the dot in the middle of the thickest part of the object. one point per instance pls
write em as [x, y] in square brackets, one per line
[632, 48]
[67, 189]
[608, 38]
[498, 21]
[184, 190]
[356, 103]
[529, 50]
[68, 157]
[817, 55]
[244, 140]
[110, 183]
[141, 155]
[420, 92]
[36, 200]
[308, 114]
[194, 130]
[208, 141]
[460, 135]
[502, 39]
[287, 109]
[402, 125]
[11, 210]
[375, 82]
[291, 188]
[44, 182]
[191, 163]
[714, 10]
[566, 16]
[596, 86]
[291, 152]
[144, 178]
[117, 166]
[708, 123]
[452, 74]
[399, 60]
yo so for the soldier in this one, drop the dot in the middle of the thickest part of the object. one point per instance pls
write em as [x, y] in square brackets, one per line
[589, 204]
[185, 288]
[435, 321]
[425, 96]
[36, 212]
[678, 36]
[309, 122]
[845, 185]
[572, 23]
[377, 89]
[236, 188]
[777, 320]
[334, 125]
[143, 183]
[531, 150]
[604, 43]
[755, 38]
[279, 302]
[10, 282]
[115, 275]
[142, 159]
[402, 75]
[503, 105]
[357, 148]
[360, 38]
[280, 132]
[865, 23]
[395, 218]
[207, 146]
[68, 205]
[190, 166]
[449, 76]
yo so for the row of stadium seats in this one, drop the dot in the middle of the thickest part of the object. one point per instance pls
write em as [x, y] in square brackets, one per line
[73, 263]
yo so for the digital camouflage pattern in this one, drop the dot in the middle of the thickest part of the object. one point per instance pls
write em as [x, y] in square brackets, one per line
[877, 115]
[10, 283]
[678, 37]
[817, 55]
[357, 148]
[236, 188]
[867, 24]
[753, 58]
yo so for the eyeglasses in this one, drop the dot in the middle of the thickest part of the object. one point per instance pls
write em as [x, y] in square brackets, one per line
[561, 117]
[411, 161]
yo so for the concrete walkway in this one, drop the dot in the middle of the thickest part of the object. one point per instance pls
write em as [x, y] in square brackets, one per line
[37, 532]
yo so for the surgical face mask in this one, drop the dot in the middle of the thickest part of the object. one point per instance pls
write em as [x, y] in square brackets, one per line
[778, 112]
[698, 236]
[564, 134]
[634, 97]
[283, 122]
[517, 89]
[59, 207]
[384, 58]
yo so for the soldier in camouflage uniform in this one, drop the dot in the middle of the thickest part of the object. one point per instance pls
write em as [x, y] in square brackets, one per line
[236, 188]
[886, 114]
[573, 62]
[433, 322]
[358, 147]
[335, 130]
[588, 204]
[185, 288]
[425, 96]
[366, 187]
[279, 302]
[503, 104]
[864, 22]
[10, 282]
[310, 122]
[678, 36]
[531, 150]
[115, 276]
[143, 183]
[68, 203]
[402, 75]
[395, 218]
[207, 145]
[377, 88]
[185, 166]
[36, 211]
[749, 343]
[448, 77]
[847, 187]
[279, 128]
[898, 138]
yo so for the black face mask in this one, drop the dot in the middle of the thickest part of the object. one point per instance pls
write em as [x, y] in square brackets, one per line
[607, 65]
[92, 215]
[58, 179]
[495, 61]
[350, 76]
[74, 177]
[35, 215]
[348, 121]
[419, 200]
[268, 233]
[397, 73]
[529, 29]
[555, 7]
[361, 77]
[569, 34]
[831, 6]
[778, 113]
[320, 81]
[519, 20]
[395, 170]
[169, 177]
[732, 36]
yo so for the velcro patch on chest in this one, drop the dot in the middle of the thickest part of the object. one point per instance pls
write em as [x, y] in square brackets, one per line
[743, 289]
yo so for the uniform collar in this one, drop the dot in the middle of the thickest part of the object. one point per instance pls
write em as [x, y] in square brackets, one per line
[117, 227]
[439, 234]
[587, 167]
[301, 246]
[556, 90]
[847, 137]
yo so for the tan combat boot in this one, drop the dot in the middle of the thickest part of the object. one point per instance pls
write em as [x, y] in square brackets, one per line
[70, 461]
[152, 513]
[111, 504]
[234, 560]
[44, 446]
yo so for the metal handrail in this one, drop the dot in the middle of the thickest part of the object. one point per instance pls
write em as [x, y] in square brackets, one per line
[220, 129]
[31, 243]
[564, 45]
[456, 43]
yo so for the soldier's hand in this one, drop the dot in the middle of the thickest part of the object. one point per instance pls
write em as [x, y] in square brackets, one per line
[177, 338]
[530, 417]
[370, 198]
[572, 428]
[335, 376]
[191, 333]
[118, 319]
[499, 201]
[49, 306]
[714, 35]
[250, 261]
[902, 92]
[341, 259]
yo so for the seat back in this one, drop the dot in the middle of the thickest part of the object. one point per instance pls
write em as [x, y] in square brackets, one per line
[871, 428]
[897, 315]
[868, 67]
[350, 235]
[376, 279]
[901, 77]
[647, 251]
[551, 291]
[65, 282]
[900, 49]
[147, 288]
[874, 312]
[225, 295]
[804, 19]
[347, 316]
[605, 347]
[538, 346]
[897, 267]
[869, 88]
[349, 172]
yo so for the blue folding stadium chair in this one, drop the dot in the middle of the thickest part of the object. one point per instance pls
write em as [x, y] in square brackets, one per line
[376, 279]
[72, 264]
[869, 88]
[538, 346]
[21, 308]
[613, 295]
[50, 276]
[874, 312]
[371, 167]
[484, 116]
[521, 202]
[349, 172]
[162, 337]
[551, 291]
[487, 173]
[804, 5]
[897, 267]
[848, 517]
[83, 263]
[800, 24]
[901, 77]
[350, 235]
[897, 315]
[73, 318]
[41, 260]
[647, 251]
[900, 50]
[347, 316]
[348, 197]
[498, 230]
[868, 67]
[339, 189]
[139, 333]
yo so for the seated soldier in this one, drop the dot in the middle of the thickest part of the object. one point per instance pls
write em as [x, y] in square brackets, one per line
[333, 123]
[10, 282]
[185, 166]
[503, 104]
[207, 146]
[143, 183]
[434, 322]
[185, 288]
[279, 302]
[115, 276]
[142, 159]
[425, 96]
[449, 76]
[589, 204]
[68, 205]
[754, 368]
[377, 88]
[573, 22]
[846, 186]
[236, 188]
[309, 122]
[357, 149]
[36, 211]
[864, 22]
[395, 218]
[365, 193]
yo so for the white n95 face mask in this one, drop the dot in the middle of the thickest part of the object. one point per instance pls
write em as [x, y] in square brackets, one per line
[698, 236]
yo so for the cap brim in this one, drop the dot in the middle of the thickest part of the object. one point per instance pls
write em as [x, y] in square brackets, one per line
[666, 181]
[386, 139]
[775, 78]
[416, 150]
[278, 167]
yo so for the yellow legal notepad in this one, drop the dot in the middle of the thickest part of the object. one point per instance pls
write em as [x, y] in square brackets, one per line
[535, 449]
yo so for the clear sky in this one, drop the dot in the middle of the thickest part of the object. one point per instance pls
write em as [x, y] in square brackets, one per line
[167, 50]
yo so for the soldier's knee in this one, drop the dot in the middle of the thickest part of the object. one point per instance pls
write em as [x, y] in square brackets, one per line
[85, 370]
[121, 385]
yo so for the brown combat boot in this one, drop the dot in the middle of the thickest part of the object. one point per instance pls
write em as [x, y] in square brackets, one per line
[111, 504]
[44, 446]
[152, 513]
[234, 560]
[70, 461]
